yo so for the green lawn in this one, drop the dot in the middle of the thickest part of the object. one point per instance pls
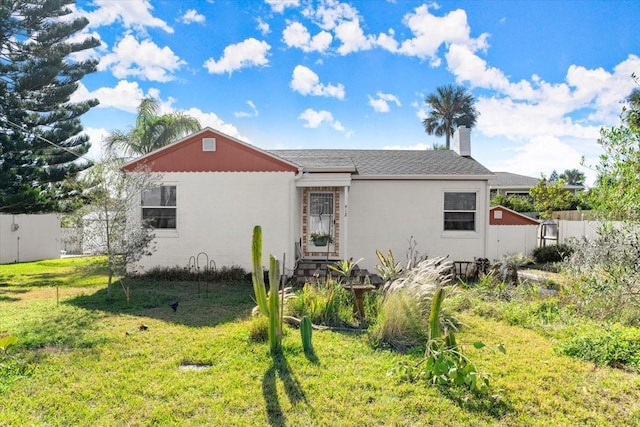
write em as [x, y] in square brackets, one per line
[85, 361]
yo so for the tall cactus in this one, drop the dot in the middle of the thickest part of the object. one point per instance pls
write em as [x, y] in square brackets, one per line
[305, 332]
[257, 276]
[268, 306]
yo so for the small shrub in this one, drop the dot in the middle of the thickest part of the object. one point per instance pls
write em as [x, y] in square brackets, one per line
[614, 346]
[259, 329]
[552, 253]
[532, 314]
[233, 274]
[326, 304]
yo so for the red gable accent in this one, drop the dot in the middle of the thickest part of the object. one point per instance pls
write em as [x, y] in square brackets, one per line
[510, 217]
[230, 155]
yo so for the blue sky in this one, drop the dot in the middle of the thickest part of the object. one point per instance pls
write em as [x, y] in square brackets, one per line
[546, 75]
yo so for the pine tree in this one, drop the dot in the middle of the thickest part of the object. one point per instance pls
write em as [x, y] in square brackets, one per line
[40, 130]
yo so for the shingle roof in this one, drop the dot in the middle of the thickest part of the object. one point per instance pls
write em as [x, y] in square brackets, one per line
[384, 162]
[508, 179]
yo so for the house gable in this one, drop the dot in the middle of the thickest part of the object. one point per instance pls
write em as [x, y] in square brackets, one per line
[211, 151]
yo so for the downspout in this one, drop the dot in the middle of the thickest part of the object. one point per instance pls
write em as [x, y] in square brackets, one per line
[486, 219]
[344, 233]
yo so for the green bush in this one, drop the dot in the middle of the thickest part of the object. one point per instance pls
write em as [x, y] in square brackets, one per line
[614, 346]
[233, 274]
[552, 253]
[326, 304]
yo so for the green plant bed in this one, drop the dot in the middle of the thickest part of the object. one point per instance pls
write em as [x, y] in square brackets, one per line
[86, 369]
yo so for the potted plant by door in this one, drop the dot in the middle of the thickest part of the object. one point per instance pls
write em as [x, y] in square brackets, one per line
[320, 238]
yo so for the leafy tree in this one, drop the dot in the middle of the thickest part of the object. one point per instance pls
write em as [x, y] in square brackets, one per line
[572, 177]
[631, 113]
[110, 195]
[550, 196]
[451, 106]
[152, 130]
[617, 191]
[40, 130]
[513, 202]
[554, 176]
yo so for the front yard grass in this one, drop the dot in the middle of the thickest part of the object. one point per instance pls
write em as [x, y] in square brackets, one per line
[87, 362]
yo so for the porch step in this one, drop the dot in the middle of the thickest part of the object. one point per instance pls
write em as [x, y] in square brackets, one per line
[309, 271]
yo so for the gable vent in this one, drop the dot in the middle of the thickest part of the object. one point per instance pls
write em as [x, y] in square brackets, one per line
[208, 144]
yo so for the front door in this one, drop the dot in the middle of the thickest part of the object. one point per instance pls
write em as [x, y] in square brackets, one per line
[321, 225]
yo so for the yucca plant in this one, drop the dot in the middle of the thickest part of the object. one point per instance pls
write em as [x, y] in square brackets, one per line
[344, 268]
[270, 306]
[388, 269]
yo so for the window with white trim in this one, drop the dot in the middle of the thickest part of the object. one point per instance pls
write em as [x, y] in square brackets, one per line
[159, 207]
[460, 211]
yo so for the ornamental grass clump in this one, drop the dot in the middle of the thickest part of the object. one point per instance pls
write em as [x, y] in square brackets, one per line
[404, 310]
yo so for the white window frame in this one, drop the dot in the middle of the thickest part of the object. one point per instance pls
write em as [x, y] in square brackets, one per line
[169, 204]
[453, 209]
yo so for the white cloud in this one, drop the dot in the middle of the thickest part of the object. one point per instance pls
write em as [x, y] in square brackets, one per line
[431, 32]
[144, 60]
[315, 119]
[96, 137]
[212, 120]
[306, 82]
[331, 13]
[136, 15]
[296, 35]
[125, 96]
[247, 53]
[280, 5]
[344, 20]
[418, 146]
[263, 27]
[381, 103]
[542, 155]
[192, 16]
[353, 38]
[252, 113]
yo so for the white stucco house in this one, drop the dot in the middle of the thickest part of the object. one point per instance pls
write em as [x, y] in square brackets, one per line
[215, 188]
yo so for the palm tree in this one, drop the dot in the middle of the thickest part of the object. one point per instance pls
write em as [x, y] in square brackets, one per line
[451, 106]
[573, 177]
[152, 131]
[632, 114]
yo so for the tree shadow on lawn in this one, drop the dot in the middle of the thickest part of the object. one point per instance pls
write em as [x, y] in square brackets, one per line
[292, 388]
[491, 405]
[197, 305]
[6, 291]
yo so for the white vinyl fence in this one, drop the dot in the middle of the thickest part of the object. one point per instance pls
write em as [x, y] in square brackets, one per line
[29, 237]
[510, 239]
[580, 229]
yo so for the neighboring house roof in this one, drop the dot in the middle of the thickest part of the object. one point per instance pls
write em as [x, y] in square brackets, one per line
[385, 163]
[513, 181]
[508, 216]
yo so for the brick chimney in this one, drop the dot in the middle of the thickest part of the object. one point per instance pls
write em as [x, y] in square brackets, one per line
[462, 141]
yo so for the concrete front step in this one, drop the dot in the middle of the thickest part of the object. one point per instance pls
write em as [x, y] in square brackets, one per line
[312, 270]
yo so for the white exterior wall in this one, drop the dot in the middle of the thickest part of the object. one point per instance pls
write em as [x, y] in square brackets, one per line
[29, 237]
[511, 239]
[384, 214]
[216, 213]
